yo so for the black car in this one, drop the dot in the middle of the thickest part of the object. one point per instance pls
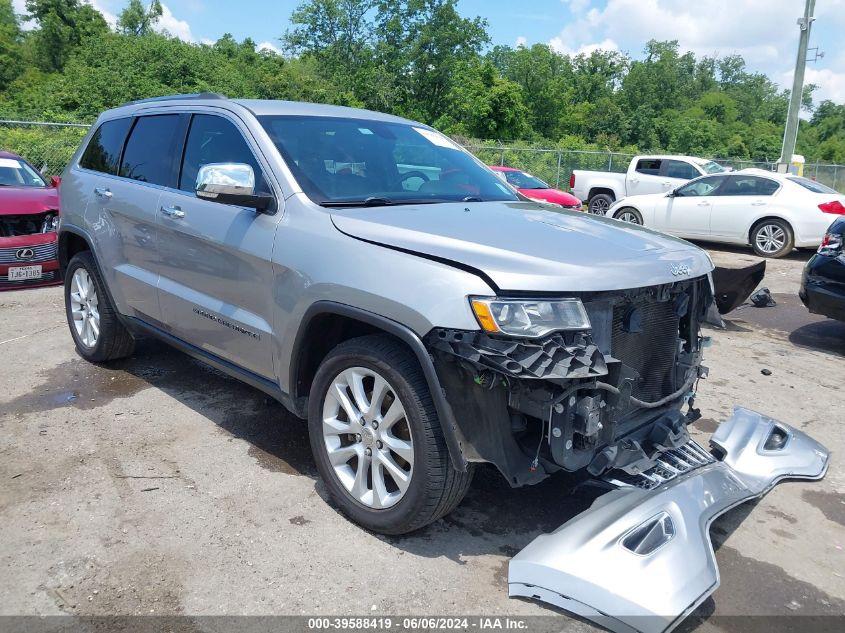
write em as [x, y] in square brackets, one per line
[823, 281]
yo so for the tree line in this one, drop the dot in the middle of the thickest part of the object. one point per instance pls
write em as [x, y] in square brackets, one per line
[415, 58]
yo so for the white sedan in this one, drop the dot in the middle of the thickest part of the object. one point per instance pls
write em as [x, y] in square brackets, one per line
[772, 212]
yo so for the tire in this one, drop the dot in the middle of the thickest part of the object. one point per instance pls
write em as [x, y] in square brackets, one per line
[772, 237]
[434, 488]
[600, 203]
[629, 215]
[110, 340]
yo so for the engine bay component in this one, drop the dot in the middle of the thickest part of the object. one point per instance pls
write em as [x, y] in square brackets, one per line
[640, 558]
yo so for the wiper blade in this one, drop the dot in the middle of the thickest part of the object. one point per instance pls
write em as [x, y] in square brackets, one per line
[372, 201]
[472, 199]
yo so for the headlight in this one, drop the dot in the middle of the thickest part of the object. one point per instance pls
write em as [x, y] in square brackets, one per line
[51, 223]
[527, 318]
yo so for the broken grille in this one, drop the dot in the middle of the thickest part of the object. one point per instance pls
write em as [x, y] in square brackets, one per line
[669, 464]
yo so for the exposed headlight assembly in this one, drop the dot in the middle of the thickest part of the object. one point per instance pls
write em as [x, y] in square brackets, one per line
[529, 318]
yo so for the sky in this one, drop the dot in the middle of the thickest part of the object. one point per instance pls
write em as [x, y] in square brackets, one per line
[764, 32]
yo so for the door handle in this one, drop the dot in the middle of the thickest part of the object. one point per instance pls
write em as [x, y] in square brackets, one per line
[667, 184]
[102, 192]
[634, 181]
[173, 212]
[704, 203]
[758, 204]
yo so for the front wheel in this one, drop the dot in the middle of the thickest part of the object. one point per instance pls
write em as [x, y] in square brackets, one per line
[772, 238]
[377, 440]
[629, 215]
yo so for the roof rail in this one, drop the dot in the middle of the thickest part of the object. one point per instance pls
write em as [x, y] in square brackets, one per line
[193, 95]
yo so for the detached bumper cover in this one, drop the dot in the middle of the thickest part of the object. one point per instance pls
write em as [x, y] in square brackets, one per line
[641, 559]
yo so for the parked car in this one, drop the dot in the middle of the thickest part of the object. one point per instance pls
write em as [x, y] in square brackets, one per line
[29, 215]
[646, 174]
[418, 331]
[773, 212]
[535, 189]
[823, 281]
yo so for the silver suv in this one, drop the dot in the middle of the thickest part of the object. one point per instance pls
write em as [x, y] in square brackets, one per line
[381, 282]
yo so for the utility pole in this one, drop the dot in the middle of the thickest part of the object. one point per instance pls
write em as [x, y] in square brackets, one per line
[791, 133]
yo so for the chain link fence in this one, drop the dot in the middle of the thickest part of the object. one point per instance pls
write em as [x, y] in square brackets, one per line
[49, 146]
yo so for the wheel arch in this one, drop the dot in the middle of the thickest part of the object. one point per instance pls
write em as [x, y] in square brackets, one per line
[599, 189]
[72, 240]
[326, 324]
[768, 216]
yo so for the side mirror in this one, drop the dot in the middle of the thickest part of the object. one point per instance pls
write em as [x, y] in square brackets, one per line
[671, 193]
[231, 183]
[55, 181]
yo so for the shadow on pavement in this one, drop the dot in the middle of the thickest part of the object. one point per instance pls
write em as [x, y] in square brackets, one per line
[791, 318]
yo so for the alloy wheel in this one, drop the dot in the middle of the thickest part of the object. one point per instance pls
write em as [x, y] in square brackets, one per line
[629, 216]
[599, 206]
[770, 238]
[368, 438]
[84, 307]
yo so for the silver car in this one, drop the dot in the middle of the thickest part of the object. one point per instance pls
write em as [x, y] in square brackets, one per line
[383, 284]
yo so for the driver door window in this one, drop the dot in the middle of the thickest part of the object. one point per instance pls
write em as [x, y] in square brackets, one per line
[701, 187]
[213, 139]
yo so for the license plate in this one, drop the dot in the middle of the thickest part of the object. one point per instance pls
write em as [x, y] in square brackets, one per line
[23, 273]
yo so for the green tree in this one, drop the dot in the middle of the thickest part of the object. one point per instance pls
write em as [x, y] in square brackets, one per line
[135, 19]
[62, 27]
[11, 54]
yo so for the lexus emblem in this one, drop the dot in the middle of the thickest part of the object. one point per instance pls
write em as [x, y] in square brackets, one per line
[680, 269]
[24, 254]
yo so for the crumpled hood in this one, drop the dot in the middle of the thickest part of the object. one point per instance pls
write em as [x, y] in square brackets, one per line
[521, 246]
[26, 200]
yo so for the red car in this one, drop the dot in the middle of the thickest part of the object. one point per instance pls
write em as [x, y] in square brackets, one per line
[29, 215]
[534, 188]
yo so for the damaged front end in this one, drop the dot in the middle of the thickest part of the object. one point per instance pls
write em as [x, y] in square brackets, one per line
[606, 397]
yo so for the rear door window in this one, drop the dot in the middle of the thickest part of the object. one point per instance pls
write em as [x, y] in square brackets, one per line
[649, 166]
[148, 156]
[103, 151]
[742, 185]
[679, 169]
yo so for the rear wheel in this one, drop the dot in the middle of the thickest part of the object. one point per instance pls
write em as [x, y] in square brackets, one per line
[630, 215]
[772, 238]
[600, 203]
[377, 440]
[97, 332]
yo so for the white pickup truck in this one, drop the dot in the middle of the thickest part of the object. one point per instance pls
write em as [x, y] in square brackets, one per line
[646, 174]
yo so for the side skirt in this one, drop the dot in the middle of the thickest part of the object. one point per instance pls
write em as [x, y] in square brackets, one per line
[143, 328]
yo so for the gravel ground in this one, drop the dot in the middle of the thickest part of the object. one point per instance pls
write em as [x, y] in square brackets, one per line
[156, 485]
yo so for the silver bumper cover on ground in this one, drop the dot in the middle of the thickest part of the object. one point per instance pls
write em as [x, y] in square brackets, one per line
[640, 559]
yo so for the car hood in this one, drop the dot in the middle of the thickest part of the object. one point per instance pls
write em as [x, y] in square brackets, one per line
[26, 200]
[551, 195]
[521, 247]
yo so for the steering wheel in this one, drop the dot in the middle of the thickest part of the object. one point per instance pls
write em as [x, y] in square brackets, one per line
[414, 174]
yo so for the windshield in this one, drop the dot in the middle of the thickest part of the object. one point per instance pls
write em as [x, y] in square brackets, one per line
[812, 185]
[357, 161]
[710, 167]
[17, 173]
[524, 180]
